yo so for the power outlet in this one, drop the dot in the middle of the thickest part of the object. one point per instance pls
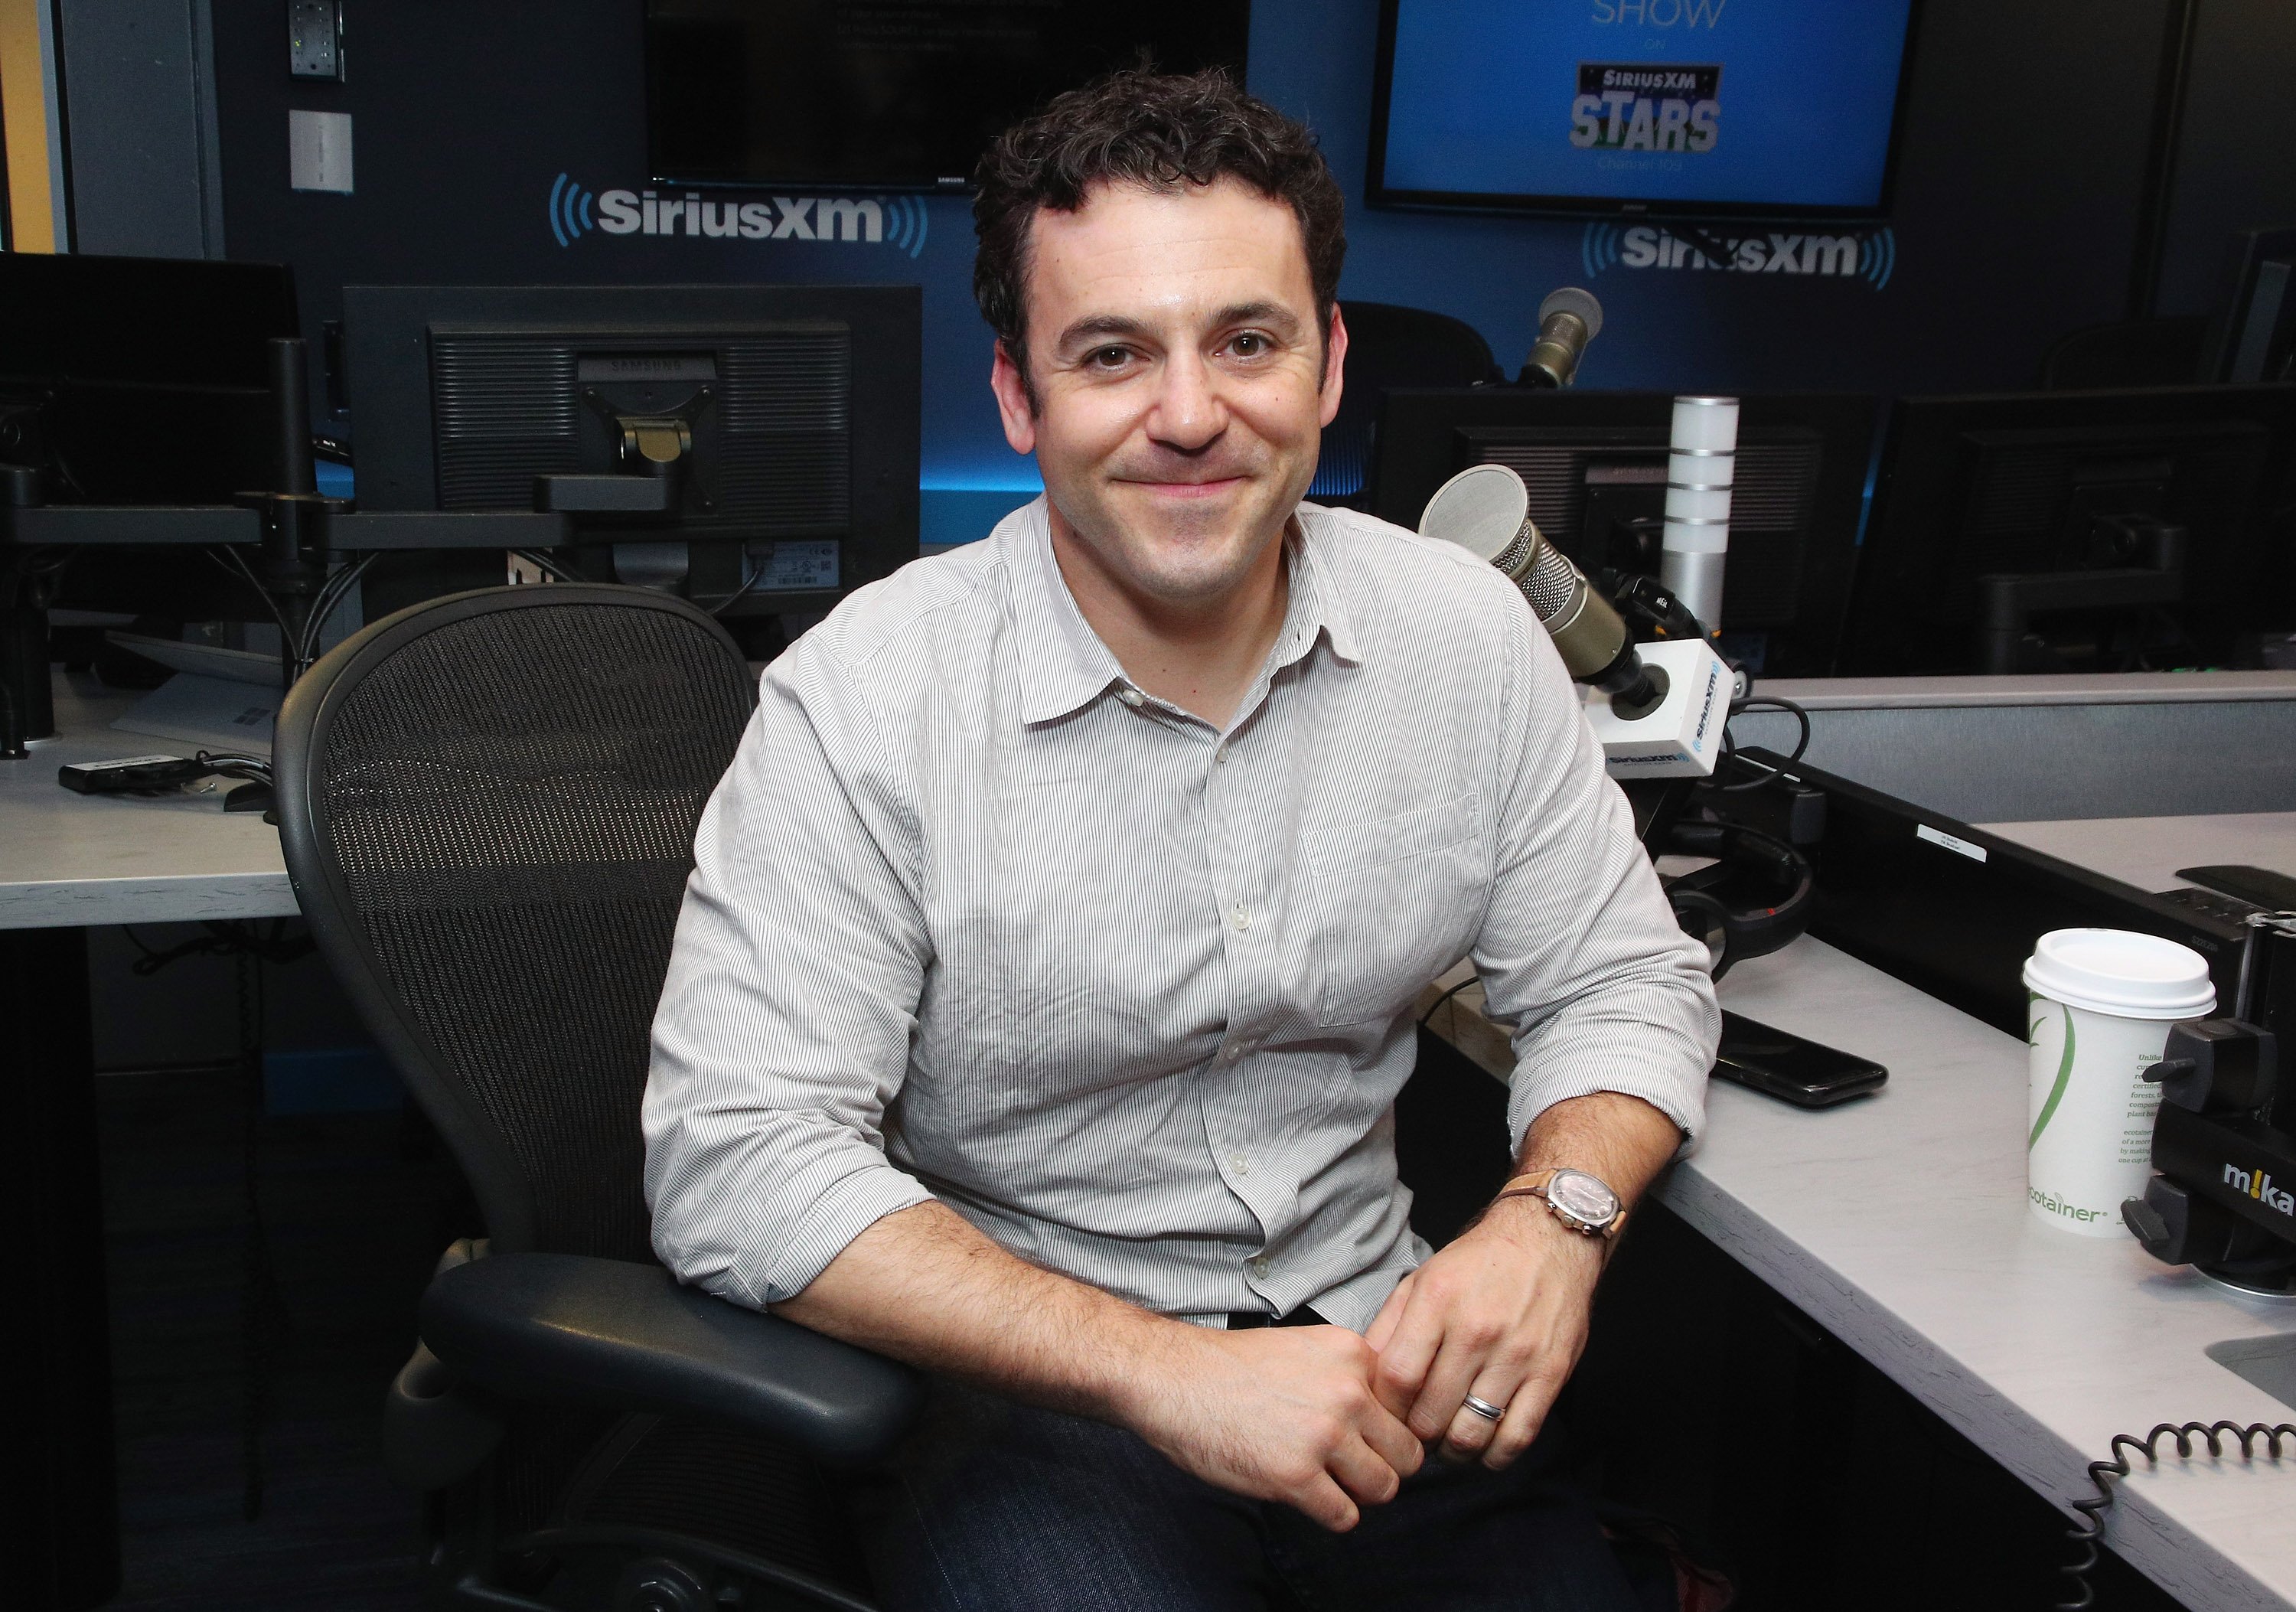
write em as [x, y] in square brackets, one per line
[314, 40]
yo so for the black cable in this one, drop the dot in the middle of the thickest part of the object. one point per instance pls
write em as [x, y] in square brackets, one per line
[230, 561]
[543, 562]
[254, 768]
[739, 594]
[1435, 1006]
[1730, 750]
[330, 595]
[272, 941]
[2090, 1529]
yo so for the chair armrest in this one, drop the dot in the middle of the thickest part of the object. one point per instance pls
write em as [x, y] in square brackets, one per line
[562, 1326]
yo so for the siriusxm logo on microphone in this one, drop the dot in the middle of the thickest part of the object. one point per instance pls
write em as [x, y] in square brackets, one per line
[1867, 255]
[900, 222]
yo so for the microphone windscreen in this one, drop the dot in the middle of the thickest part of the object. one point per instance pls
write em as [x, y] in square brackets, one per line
[1481, 509]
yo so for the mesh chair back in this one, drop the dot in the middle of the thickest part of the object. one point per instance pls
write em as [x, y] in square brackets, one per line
[1390, 346]
[487, 803]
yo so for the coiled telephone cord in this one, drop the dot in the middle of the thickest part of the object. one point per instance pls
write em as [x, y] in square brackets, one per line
[2090, 1529]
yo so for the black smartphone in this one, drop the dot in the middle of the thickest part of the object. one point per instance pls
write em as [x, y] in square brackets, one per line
[1790, 1068]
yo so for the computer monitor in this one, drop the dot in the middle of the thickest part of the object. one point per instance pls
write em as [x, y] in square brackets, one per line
[780, 424]
[837, 96]
[142, 380]
[1595, 463]
[2252, 335]
[1696, 108]
[2085, 531]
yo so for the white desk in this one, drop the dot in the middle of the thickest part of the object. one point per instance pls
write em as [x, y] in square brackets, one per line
[71, 860]
[1900, 1225]
[2147, 851]
[68, 862]
[1900, 1222]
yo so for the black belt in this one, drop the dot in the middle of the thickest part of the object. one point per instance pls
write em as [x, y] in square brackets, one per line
[1244, 1320]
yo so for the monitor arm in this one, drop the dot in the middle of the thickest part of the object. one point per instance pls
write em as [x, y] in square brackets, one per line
[2007, 600]
[656, 450]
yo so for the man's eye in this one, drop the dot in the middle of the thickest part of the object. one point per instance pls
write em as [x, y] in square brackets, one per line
[1247, 344]
[1110, 358]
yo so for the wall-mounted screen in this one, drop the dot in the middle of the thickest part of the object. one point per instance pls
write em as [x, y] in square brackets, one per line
[1687, 108]
[890, 94]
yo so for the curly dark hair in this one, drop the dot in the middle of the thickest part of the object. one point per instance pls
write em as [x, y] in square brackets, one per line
[1158, 131]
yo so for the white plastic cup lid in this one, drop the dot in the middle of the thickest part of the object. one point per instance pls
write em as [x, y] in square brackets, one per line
[2120, 972]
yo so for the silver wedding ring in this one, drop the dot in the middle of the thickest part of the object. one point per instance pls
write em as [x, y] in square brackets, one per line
[1485, 1408]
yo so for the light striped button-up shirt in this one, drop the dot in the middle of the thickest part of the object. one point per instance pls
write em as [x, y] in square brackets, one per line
[972, 916]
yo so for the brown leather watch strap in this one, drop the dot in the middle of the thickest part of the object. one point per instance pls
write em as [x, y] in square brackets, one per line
[1543, 1178]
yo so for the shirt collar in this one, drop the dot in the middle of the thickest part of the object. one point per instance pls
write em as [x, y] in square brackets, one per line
[1064, 664]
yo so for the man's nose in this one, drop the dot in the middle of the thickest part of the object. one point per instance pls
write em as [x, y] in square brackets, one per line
[1189, 413]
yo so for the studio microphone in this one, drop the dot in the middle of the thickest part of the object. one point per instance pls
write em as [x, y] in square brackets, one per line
[1485, 510]
[1568, 320]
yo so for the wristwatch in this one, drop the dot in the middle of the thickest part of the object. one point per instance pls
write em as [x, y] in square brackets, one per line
[1583, 1202]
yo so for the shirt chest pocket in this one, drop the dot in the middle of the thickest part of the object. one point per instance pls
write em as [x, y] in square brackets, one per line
[1392, 902]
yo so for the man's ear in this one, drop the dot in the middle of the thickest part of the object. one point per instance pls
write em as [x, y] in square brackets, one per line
[1012, 402]
[1336, 352]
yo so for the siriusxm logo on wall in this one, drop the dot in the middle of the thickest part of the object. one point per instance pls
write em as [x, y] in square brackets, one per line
[1867, 255]
[899, 222]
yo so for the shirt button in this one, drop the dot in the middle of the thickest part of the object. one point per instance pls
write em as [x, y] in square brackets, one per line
[1231, 1052]
[1239, 1164]
[1240, 917]
[1259, 1265]
[1132, 697]
[1220, 755]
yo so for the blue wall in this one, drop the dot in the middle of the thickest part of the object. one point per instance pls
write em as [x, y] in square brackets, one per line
[2023, 151]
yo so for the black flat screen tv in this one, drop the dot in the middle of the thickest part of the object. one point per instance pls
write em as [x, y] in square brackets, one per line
[1666, 108]
[889, 95]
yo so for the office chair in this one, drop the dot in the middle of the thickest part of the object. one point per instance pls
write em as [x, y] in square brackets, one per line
[1390, 346]
[487, 804]
[2132, 352]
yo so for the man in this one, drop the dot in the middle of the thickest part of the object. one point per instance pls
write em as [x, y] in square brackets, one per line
[1044, 984]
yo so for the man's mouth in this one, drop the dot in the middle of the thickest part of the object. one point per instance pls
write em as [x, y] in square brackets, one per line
[1208, 487]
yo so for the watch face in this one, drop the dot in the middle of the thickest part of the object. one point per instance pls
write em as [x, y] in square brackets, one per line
[1582, 1197]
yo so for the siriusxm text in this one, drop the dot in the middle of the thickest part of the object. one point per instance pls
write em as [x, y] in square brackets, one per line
[1774, 253]
[624, 212]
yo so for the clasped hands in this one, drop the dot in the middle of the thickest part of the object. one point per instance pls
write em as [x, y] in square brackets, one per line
[1328, 1422]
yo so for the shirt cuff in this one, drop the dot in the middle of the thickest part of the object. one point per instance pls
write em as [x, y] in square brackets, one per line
[1682, 1101]
[837, 1217]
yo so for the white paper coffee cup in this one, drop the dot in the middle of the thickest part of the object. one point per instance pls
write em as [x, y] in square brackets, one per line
[2101, 1004]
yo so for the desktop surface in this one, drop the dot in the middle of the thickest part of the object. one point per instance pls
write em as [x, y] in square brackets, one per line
[2147, 851]
[77, 860]
[1900, 1223]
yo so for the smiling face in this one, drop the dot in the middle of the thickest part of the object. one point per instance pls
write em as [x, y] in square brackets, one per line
[1181, 386]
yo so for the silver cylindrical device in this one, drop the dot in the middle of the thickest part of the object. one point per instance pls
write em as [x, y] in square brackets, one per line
[1702, 468]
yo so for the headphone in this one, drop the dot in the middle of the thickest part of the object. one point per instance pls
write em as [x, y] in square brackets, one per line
[1752, 900]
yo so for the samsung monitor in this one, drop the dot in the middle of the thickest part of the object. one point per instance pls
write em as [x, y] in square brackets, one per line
[1595, 466]
[1677, 108]
[779, 422]
[2077, 532]
[902, 95]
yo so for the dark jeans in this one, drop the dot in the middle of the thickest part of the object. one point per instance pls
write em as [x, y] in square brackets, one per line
[996, 1507]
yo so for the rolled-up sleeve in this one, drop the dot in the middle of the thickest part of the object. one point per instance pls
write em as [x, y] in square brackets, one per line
[1578, 951]
[783, 1029]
